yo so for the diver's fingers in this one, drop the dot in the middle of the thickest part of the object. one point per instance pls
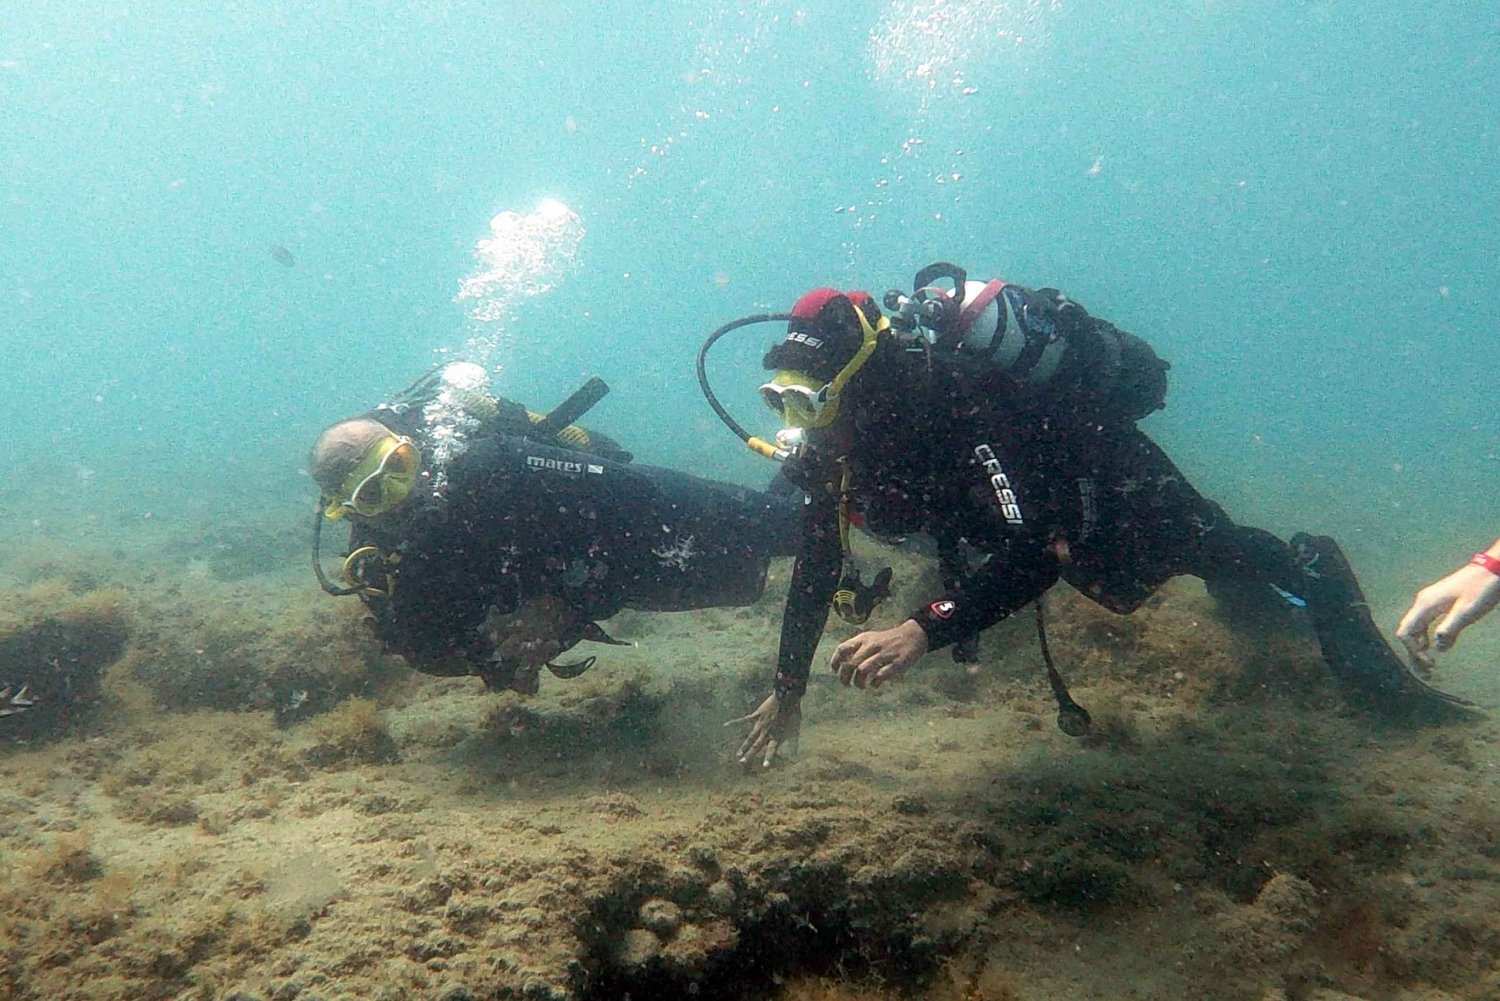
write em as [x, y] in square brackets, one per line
[1422, 658]
[1477, 599]
[852, 670]
[1413, 635]
[889, 672]
[1412, 629]
[874, 662]
[771, 746]
[875, 669]
[856, 658]
[754, 737]
[1463, 614]
[846, 673]
[847, 654]
[854, 654]
[766, 709]
[1417, 650]
[750, 744]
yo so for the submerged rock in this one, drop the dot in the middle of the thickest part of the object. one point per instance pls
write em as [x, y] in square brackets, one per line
[637, 948]
[661, 917]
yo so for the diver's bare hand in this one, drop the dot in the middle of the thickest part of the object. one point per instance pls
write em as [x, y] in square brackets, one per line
[776, 723]
[1461, 599]
[873, 658]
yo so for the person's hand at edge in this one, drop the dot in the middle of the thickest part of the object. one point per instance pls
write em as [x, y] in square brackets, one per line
[873, 658]
[774, 726]
[1462, 598]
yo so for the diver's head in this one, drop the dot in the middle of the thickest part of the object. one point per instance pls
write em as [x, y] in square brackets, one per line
[363, 467]
[829, 338]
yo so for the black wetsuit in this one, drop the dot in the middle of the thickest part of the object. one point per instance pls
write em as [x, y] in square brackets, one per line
[1044, 483]
[519, 519]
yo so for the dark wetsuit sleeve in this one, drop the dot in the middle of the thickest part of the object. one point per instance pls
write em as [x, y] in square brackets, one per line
[814, 579]
[989, 594]
[997, 515]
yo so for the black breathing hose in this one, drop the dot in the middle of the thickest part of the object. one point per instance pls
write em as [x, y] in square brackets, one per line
[708, 393]
[317, 561]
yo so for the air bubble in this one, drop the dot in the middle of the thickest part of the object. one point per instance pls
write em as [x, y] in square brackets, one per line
[523, 256]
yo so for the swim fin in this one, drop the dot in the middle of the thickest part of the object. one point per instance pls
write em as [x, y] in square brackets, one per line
[1361, 660]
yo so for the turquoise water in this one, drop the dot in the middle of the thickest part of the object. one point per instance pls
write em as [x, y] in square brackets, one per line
[224, 225]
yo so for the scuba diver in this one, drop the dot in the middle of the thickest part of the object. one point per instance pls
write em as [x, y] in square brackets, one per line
[1000, 421]
[485, 539]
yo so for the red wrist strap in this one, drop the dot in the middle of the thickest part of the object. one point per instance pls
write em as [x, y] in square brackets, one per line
[1487, 561]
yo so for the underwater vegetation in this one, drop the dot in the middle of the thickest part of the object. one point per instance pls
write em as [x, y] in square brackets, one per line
[192, 830]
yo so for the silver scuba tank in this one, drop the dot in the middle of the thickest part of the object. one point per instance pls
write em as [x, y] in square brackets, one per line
[1037, 337]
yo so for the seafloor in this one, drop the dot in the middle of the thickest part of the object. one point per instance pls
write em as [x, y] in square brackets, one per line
[226, 792]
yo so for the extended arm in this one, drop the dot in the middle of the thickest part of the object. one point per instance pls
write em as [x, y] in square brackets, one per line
[815, 576]
[777, 721]
[992, 510]
[991, 593]
[1462, 598]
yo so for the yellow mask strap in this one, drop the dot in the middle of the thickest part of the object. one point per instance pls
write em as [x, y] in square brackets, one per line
[866, 348]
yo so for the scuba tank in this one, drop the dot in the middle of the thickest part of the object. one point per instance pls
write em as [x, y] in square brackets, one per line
[1039, 341]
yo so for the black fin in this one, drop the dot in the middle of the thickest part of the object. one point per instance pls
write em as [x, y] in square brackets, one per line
[594, 633]
[1361, 660]
[568, 671]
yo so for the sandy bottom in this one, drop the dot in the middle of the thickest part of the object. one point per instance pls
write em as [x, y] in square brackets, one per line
[226, 792]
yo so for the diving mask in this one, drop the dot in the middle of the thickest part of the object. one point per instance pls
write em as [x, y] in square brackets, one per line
[796, 398]
[381, 481]
[801, 402]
